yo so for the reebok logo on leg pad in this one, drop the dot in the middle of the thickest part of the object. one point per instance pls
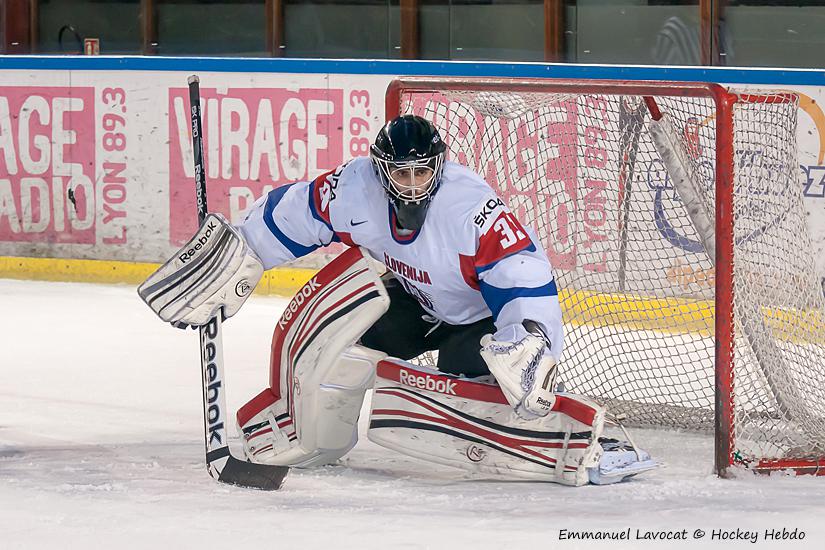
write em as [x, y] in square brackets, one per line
[427, 382]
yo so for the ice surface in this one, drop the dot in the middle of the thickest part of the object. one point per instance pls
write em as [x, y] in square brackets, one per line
[100, 447]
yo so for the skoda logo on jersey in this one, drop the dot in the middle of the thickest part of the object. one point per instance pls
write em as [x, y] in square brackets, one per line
[489, 207]
[476, 453]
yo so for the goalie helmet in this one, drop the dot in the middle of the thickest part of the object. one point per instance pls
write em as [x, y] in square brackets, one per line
[408, 156]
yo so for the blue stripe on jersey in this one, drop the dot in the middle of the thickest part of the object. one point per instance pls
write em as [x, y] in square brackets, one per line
[272, 200]
[496, 298]
[313, 210]
[531, 248]
[317, 216]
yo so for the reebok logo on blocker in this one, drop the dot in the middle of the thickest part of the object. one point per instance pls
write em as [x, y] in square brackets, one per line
[200, 243]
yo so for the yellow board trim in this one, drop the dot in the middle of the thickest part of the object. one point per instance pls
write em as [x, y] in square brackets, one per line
[672, 315]
[281, 281]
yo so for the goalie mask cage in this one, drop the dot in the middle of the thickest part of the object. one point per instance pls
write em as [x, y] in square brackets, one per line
[673, 218]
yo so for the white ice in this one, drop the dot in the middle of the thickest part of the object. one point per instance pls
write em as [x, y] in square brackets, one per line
[101, 447]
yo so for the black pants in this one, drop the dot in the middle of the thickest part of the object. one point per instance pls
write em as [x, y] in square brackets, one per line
[404, 332]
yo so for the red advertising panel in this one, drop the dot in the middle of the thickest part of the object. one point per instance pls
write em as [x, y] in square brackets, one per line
[254, 141]
[47, 164]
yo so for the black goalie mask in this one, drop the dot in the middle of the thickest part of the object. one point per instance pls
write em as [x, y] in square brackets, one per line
[408, 156]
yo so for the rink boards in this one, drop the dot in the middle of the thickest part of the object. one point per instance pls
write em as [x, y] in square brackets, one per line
[95, 154]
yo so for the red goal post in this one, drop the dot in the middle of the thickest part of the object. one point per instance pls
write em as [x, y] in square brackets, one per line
[680, 176]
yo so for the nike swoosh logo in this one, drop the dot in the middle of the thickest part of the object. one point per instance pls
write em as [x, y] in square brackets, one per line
[354, 223]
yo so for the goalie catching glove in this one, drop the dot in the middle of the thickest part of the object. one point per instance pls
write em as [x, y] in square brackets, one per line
[216, 270]
[524, 369]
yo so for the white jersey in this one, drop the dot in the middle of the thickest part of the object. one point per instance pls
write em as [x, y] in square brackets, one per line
[471, 259]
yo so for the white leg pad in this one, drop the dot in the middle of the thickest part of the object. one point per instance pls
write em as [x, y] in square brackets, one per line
[470, 425]
[327, 412]
[337, 403]
[318, 377]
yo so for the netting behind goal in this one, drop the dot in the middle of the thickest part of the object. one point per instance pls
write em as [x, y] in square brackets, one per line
[636, 267]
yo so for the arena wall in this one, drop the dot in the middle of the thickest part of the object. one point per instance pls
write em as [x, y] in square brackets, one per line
[95, 155]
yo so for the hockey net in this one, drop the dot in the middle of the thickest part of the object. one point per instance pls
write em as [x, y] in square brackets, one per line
[673, 218]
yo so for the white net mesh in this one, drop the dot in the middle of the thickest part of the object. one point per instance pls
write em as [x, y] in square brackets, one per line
[779, 352]
[636, 284]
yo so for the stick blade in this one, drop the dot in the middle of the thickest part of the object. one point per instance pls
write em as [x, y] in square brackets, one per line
[264, 477]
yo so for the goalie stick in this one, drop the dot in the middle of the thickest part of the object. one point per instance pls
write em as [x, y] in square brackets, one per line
[220, 463]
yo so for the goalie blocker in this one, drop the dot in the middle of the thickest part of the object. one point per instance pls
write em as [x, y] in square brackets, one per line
[215, 271]
[319, 377]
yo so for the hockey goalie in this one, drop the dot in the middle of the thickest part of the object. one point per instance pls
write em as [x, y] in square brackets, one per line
[463, 278]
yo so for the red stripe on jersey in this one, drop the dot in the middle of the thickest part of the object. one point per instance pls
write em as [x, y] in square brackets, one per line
[468, 270]
[321, 195]
[505, 237]
[346, 238]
